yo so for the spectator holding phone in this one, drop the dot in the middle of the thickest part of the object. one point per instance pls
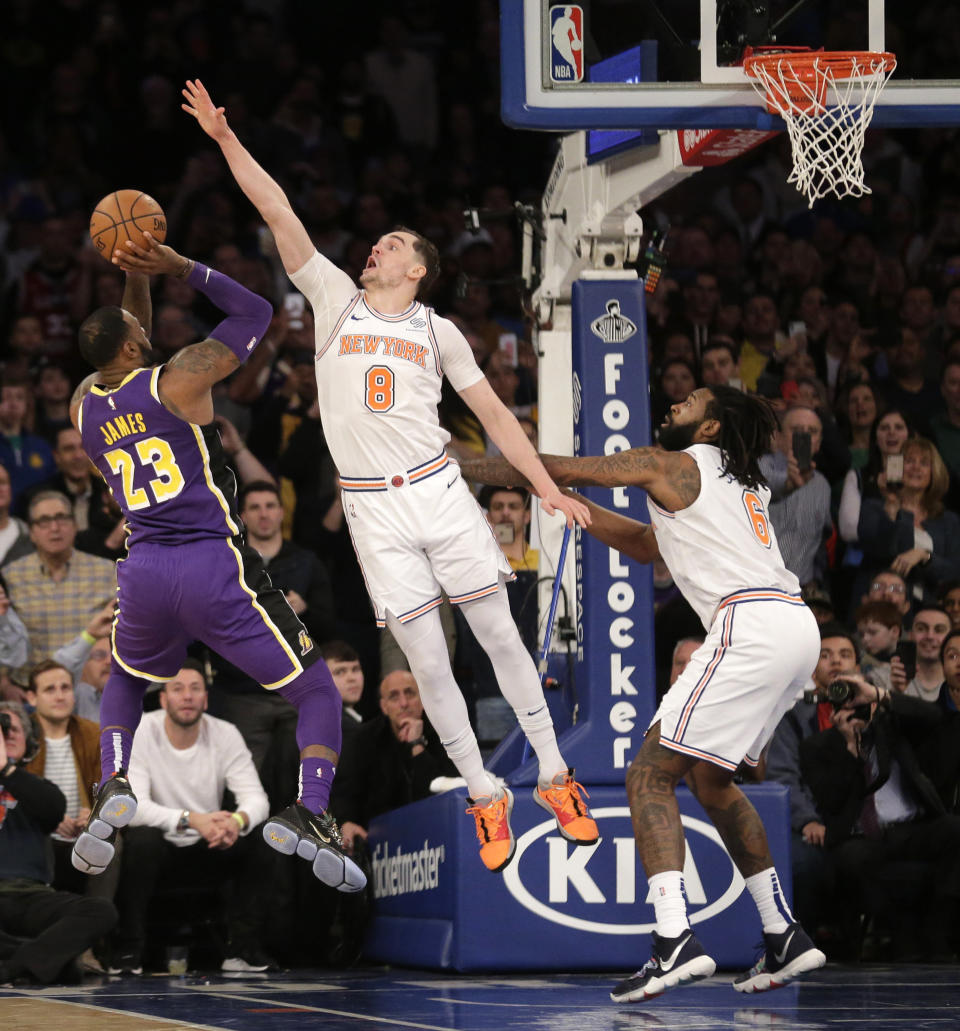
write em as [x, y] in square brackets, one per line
[884, 463]
[908, 529]
[800, 506]
[915, 667]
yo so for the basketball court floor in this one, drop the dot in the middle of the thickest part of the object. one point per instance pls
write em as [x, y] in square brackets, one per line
[925, 998]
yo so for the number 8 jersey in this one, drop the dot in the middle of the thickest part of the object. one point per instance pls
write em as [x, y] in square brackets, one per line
[170, 477]
[723, 543]
[379, 376]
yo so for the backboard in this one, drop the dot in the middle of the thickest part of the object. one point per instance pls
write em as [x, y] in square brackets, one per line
[690, 77]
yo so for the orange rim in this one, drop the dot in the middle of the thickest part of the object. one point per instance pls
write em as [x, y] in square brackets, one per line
[810, 72]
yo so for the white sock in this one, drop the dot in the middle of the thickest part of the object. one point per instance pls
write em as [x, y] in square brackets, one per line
[538, 727]
[465, 753]
[666, 893]
[771, 903]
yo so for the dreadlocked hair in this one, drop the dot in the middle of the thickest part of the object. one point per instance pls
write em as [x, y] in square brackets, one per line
[747, 426]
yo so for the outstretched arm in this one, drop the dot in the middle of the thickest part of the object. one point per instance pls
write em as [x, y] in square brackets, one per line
[192, 371]
[293, 241]
[672, 478]
[504, 430]
[136, 299]
[629, 536]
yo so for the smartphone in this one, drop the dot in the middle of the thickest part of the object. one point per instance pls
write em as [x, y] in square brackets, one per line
[504, 532]
[797, 329]
[508, 344]
[907, 653]
[802, 451]
[293, 305]
[893, 470]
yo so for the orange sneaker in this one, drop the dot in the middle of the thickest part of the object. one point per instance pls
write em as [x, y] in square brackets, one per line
[497, 843]
[562, 799]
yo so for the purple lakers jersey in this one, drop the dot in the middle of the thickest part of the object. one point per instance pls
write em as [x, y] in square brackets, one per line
[169, 476]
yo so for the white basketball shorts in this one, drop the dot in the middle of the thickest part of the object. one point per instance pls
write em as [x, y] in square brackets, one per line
[418, 531]
[760, 653]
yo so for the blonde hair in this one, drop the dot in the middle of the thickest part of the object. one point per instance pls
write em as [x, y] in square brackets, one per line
[932, 499]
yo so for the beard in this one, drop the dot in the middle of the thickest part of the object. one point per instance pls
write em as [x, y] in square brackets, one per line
[184, 721]
[150, 356]
[677, 437]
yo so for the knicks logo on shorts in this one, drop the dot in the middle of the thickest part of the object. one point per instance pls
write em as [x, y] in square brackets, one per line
[305, 641]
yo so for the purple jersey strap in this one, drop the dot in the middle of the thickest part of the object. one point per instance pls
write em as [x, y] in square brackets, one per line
[248, 314]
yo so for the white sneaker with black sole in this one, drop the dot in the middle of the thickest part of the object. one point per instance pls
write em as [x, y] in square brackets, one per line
[785, 957]
[675, 961]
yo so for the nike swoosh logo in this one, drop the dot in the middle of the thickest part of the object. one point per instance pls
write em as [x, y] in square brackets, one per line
[667, 964]
[451, 483]
[357, 318]
[780, 956]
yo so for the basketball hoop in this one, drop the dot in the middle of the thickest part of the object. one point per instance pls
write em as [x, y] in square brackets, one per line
[827, 142]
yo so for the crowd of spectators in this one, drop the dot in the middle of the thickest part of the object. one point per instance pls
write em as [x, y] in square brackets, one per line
[846, 316]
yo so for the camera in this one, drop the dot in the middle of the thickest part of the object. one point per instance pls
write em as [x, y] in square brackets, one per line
[839, 692]
[5, 723]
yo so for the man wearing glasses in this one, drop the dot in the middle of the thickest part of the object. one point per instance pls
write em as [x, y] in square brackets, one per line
[56, 589]
[890, 586]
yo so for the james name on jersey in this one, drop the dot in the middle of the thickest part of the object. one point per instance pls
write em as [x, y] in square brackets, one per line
[123, 426]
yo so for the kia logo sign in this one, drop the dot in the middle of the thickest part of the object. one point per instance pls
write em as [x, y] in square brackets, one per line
[549, 876]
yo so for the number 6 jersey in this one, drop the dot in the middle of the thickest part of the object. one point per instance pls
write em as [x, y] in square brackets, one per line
[723, 543]
[169, 476]
[379, 376]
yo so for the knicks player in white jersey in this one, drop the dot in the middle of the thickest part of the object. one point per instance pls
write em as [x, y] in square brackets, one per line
[381, 357]
[708, 507]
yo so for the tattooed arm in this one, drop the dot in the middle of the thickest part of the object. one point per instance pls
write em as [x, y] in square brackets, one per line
[629, 536]
[671, 478]
[189, 375]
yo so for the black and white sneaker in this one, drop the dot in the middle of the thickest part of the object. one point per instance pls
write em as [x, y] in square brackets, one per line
[316, 838]
[675, 961]
[785, 957]
[114, 807]
[126, 963]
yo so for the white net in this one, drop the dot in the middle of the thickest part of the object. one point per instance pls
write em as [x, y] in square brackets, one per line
[827, 102]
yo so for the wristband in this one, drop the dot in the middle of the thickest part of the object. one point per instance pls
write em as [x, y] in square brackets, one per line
[88, 637]
[239, 820]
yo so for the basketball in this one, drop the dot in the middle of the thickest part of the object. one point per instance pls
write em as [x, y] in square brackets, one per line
[124, 215]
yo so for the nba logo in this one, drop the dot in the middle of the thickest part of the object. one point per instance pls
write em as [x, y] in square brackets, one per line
[566, 43]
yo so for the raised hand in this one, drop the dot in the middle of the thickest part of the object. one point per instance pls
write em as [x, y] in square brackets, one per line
[212, 119]
[156, 259]
[101, 621]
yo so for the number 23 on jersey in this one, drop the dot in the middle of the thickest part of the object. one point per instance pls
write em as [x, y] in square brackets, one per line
[154, 452]
[757, 515]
